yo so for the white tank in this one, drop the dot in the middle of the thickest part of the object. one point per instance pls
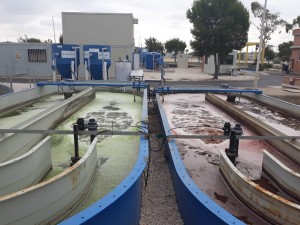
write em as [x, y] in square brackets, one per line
[136, 61]
[123, 70]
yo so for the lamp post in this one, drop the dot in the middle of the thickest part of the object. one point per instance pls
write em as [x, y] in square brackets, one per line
[260, 45]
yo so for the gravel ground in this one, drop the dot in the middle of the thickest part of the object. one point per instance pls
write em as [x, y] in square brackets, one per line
[159, 205]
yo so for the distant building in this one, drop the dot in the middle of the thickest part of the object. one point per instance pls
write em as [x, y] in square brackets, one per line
[114, 29]
[35, 59]
[25, 59]
[295, 57]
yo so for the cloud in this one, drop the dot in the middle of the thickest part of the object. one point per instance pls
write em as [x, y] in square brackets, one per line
[163, 19]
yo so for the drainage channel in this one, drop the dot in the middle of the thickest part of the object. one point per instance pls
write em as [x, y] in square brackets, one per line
[158, 200]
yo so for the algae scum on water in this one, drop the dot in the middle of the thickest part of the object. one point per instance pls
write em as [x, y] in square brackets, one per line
[15, 117]
[116, 154]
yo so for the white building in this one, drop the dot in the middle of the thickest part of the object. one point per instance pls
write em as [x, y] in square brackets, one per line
[114, 29]
[226, 64]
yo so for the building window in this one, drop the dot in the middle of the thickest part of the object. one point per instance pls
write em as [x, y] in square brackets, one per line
[299, 55]
[37, 55]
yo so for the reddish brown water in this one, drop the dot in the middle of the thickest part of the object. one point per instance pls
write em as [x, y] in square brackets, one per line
[191, 114]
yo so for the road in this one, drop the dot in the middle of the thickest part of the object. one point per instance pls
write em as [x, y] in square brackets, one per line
[274, 79]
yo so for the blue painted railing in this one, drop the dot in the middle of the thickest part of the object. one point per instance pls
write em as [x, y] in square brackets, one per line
[123, 204]
[204, 90]
[134, 84]
[195, 207]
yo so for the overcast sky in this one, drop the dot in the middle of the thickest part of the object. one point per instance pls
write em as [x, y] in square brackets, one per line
[162, 19]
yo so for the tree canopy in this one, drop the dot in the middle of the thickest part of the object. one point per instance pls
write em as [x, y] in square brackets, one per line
[272, 20]
[28, 40]
[285, 51]
[219, 27]
[291, 26]
[269, 53]
[154, 45]
[175, 45]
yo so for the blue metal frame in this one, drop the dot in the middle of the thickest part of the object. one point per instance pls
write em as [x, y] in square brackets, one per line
[123, 204]
[203, 90]
[195, 206]
[94, 84]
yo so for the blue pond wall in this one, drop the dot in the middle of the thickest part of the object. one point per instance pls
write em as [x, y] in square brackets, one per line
[195, 207]
[123, 204]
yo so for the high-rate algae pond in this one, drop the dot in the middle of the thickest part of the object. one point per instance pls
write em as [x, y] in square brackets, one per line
[116, 154]
[192, 114]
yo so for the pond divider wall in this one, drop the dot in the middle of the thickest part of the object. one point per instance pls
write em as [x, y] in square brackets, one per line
[283, 176]
[194, 205]
[37, 162]
[290, 148]
[123, 204]
[14, 145]
[53, 199]
[270, 206]
[283, 106]
[13, 100]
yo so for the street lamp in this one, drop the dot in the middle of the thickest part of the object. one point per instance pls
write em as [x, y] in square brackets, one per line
[260, 45]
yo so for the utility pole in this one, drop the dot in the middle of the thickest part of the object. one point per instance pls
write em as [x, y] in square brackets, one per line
[260, 45]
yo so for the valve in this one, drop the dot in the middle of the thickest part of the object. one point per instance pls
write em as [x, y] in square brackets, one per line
[92, 126]
[226, 128]
[233, 151]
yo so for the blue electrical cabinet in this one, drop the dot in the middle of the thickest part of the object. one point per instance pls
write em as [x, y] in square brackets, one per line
[66, 60]
[151, 58]
[94, 58]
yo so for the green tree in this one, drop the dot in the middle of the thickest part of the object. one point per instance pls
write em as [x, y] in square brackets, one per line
[175, 45]
[269, 54]
[154, 45]
[219, 26]
[272, 21]
[291, 26]
[285, 51]
[28, 40]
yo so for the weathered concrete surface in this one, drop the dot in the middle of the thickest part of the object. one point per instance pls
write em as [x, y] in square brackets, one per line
[284, 177]
[55, 198]
[272, 207]
[26, 170]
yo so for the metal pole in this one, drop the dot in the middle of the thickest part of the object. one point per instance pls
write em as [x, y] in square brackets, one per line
[76, 148]
[53, 30]
[260, 45]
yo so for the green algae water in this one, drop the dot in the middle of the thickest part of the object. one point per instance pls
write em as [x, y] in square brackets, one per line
[8, 120]
[116, 154]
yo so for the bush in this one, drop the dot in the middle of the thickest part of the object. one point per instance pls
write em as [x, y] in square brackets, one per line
[265, 66]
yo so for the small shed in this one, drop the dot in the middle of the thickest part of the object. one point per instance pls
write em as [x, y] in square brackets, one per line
[226, 64]
[25, 59]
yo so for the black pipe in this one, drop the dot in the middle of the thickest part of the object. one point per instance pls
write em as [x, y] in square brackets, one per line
[75, 158]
